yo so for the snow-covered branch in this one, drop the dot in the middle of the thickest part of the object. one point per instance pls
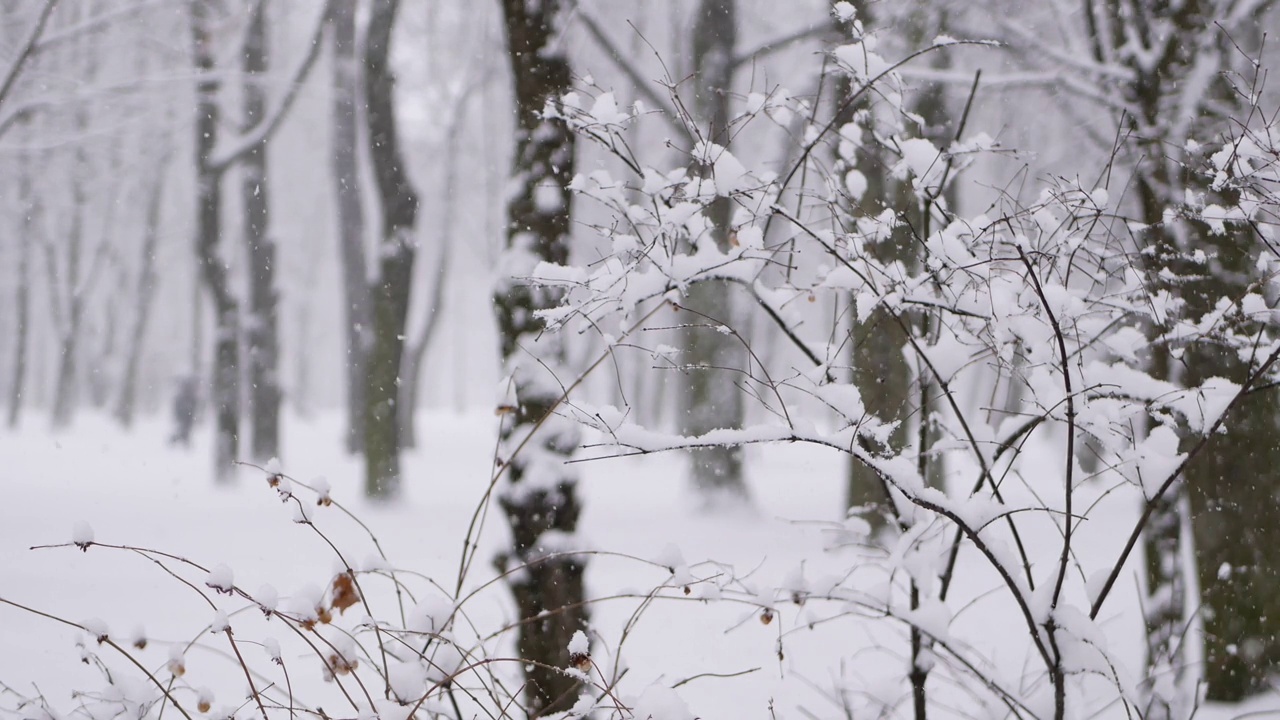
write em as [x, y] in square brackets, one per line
[228, 152]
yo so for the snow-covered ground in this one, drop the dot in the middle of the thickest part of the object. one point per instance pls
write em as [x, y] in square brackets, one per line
[133, 489]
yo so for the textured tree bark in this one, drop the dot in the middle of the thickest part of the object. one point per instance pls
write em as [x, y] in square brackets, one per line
[396, 250]
[351, 223]
[262, 333]
[711, 398]
[878, 345]
[1236, 540]
[539, 493]
[879, 363]
[1232, 491]
[879, 368]
[225, 394]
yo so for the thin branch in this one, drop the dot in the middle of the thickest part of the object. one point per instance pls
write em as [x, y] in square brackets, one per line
[96, 22]
[778, 44]
[1149, 509]
[643, 85]
[1071, 422]
[28, 50]
[107, 641]
[223, 158]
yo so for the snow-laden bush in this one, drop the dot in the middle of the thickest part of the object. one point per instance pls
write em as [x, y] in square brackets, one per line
[368, 641]
[1059, 298]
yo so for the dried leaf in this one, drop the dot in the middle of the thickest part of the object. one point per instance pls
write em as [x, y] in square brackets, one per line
[343, 592]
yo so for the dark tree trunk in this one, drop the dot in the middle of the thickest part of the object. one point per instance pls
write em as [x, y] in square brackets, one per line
[1165, 604]
[549, 592]
[877, 345]
[1236, 539]
[396, 250]
[225, 395]
[346, 175]
[262, 334]
[711, 398]
[880, 369]
[1237, 542]
[1231, 488]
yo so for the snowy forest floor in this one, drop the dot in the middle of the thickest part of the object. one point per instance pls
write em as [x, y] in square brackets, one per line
[134, 489]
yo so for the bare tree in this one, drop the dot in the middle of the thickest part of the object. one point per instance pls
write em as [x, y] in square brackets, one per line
[397, 246]
[126, 404]
[540, 497]
[712, 360]
[262, 334]
[434, 303]
[344, 160]
[225, 394]
[879, 347]
[70, 260]
[213, 158]
[30, 208]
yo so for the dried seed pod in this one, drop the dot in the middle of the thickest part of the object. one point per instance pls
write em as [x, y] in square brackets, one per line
[580, 661]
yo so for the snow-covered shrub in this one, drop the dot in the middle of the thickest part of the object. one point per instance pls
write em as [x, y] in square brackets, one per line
[1056, 297]
[369, 640]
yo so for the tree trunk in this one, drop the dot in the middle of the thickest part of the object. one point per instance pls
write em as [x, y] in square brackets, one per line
[226, 361]
[262, 334]
[127, 404]
[434, 306]
[416, 358]
[880, 369]
[64, 395]
[1231, 487]
[101, 339]
[1236, 540]
[346, 175]
[396, 250]
[539, 494]
[711, 397]
[22, 298]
